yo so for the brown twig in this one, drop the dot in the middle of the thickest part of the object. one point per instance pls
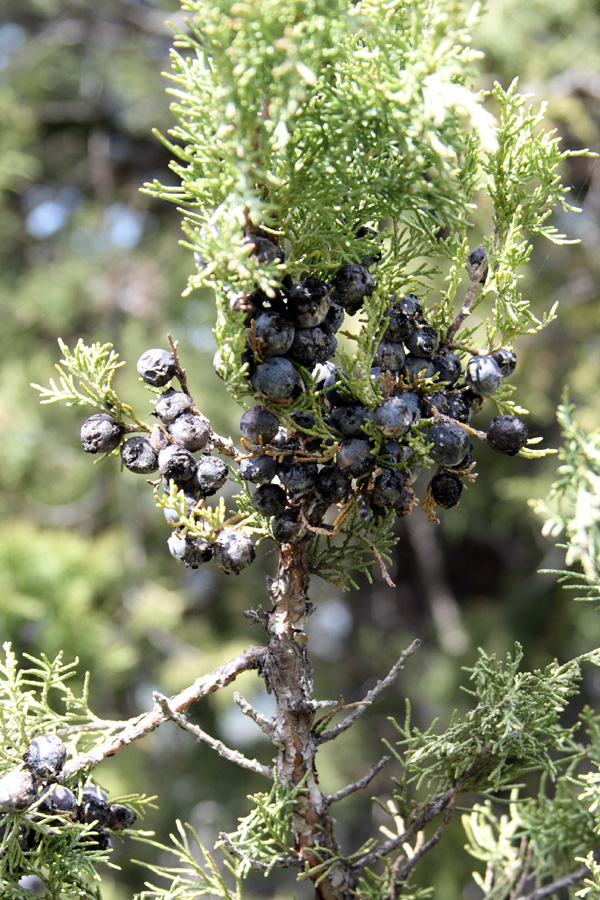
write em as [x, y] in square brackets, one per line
[350, 788]
[428, 812]
[476, 274]
[222, 749]
[559, 884]
[138, 727]
[370, 697]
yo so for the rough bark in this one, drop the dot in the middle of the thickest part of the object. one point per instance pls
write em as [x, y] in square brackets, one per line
[288, 675]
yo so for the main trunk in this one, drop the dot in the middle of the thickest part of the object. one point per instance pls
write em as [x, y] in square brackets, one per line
[288, 675]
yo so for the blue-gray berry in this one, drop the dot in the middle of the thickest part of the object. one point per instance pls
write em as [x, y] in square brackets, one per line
[101, 434]
[450, 443]
[483, 375]
[177, 463]
[233, 551]
[156, 367]
[172, 404]
[210, 475]
[277, 380]
[45, 756]
[138, 456]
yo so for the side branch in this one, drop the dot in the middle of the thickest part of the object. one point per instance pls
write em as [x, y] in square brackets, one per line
[350, 788]
[222, 749]
[371, 696]
[564, 882]
[140, 726]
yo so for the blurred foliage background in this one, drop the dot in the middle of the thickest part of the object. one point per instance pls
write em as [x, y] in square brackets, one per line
[84, 565]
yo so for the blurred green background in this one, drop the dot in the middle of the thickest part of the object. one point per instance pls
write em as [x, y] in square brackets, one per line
[83, 560]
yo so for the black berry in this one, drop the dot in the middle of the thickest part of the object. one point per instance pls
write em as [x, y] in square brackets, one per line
[190, 549]
[287, 528]
[45, 756]
[258, 424]
[297, 477]
[423, 341]
[349, 420]
[269, 499]
[274, 334]
[309, 302]
[506, 361]
[190, 431]
[177, 463]
[446, 489]
[94, 806]
[258, 469]
[354, 457]
[312, 345]
[18, 790]
[450, 443]
[507, 434]
[332, 484]
[121, 817]
[389, 356]
[351, 284]
[277, 380]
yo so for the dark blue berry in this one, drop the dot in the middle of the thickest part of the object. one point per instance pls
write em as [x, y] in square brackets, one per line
[507, 434]
[446, 489]
[354, 457]
[392, 453]
[447, 365]
[351, 284]
[312, 345]
[332, 484]
[437, 404]
[210, 474]
[101, 434]
[233, 551]
[423, 341]
[506, 361]
[418, 367]
[393, 417]
[459, 407]
[402, 316]
[264, 250]
[334, 319]
[190, 431]
[177, 463]
[387, 488]
[309, 302]
[94, 806]
[277, 380]
[450, 443]
[269, 499]
[274, 334]
[297, 477]
[172, 404]
[258, 469]
[45, 756]
[389, 356]
[138, 456]
[258, 424]
[192, 550]
[483, 375]
[58, 799]
[329, 380]
[18, 790]
[476, 257]
[349, 420]
[287, 527]
[121, 817]
[156, 367]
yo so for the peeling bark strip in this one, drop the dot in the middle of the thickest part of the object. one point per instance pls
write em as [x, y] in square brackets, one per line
[288, 676]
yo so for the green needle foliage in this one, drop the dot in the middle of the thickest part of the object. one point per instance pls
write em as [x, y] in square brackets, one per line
[333, 132]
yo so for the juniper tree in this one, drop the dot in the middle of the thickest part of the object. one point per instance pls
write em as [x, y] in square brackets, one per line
[329, 160]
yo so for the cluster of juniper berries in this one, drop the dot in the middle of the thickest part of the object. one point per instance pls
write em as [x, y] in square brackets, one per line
[344, 451]
[33, 786]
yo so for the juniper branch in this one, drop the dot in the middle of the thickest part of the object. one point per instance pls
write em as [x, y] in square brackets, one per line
[350, 788]
[222, 749]
[370, 697]
[263, 723]
[558, 885]
[139, 726]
